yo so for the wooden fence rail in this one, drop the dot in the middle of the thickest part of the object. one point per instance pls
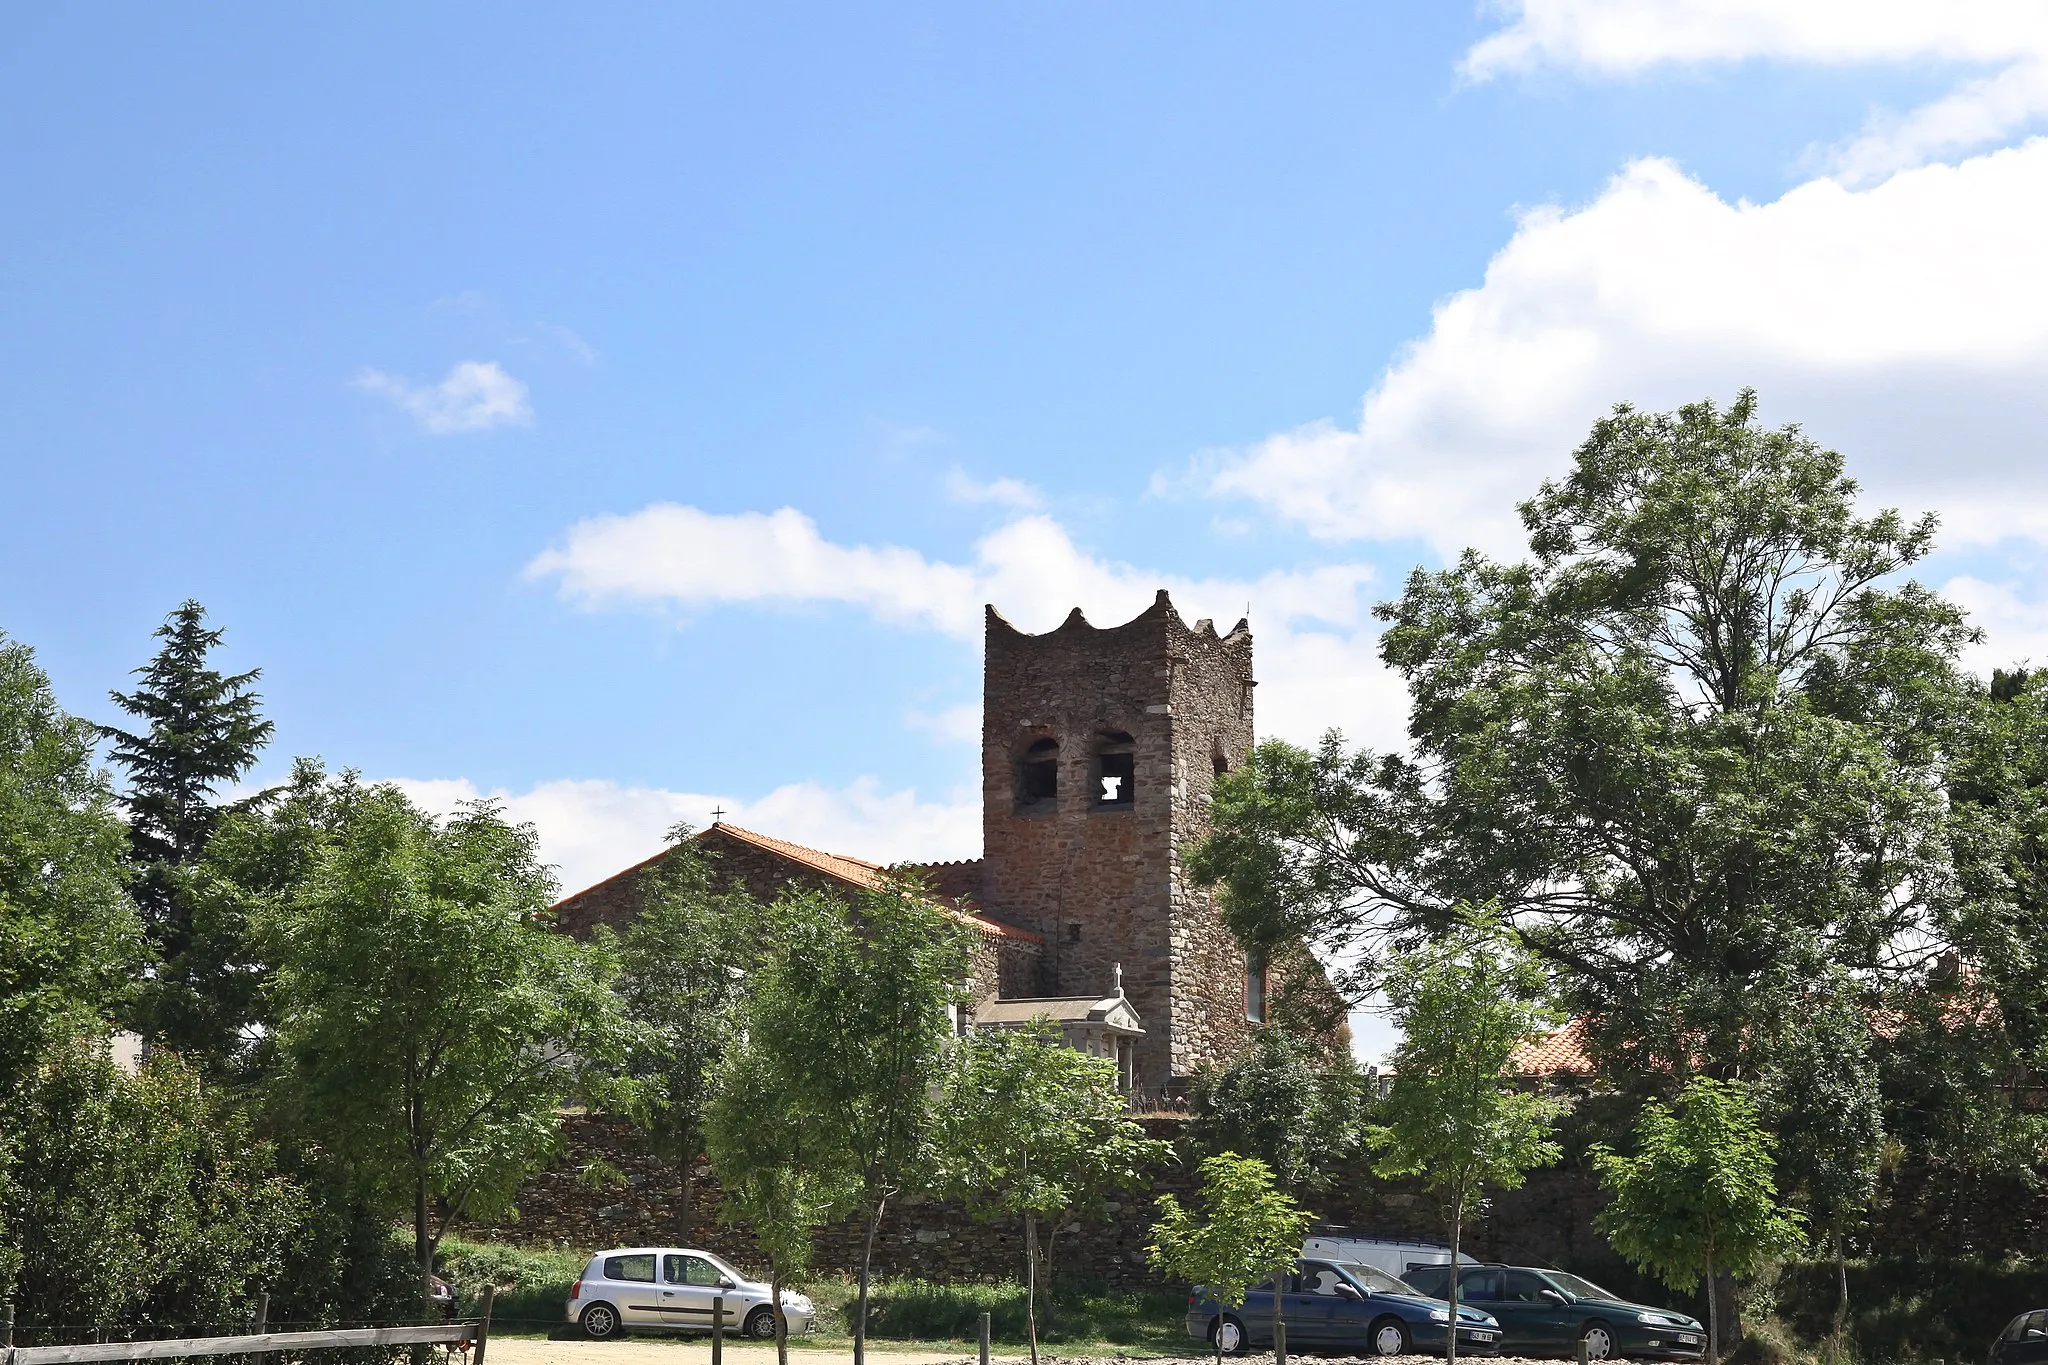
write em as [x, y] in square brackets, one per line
[473, 1333]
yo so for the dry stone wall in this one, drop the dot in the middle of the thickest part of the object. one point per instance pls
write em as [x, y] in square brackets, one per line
[1547, 1222]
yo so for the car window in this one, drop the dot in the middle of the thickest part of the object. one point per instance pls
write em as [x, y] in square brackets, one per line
[1431, 1280]
[1479, 1286]
[2035, 1326]
[1581, 1288]
[691, 1270]
[1321, 1280]
[1522, 1287]
[636, 1267]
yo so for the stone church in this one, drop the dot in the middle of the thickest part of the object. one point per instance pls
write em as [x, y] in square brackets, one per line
[1100, 747]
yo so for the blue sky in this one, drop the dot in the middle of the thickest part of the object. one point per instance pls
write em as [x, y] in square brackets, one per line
[627, 412]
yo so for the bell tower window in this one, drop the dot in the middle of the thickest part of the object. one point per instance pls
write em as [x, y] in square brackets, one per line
[1116, 771]
[1038, 778]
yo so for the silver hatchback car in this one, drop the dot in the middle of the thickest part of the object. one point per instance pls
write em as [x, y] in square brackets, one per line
[672, 1288]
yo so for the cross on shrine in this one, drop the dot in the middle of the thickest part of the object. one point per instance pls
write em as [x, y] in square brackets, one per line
[717, 814]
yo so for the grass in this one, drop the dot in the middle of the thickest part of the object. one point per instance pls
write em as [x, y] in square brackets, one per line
[533, 1285]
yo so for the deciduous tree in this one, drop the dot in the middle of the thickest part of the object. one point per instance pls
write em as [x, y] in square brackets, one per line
[431, 1022]
[861, 1027]
[68, 934]
[1293, 1105]
[683, 965]
[1697, 1198]
[1693, 745]
[1032, 1129]
[1455, 1117]
[1248, 1231]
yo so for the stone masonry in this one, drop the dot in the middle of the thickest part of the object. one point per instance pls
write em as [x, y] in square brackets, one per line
[1102, 881]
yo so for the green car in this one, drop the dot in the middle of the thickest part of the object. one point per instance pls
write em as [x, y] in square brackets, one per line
[1548, 1312]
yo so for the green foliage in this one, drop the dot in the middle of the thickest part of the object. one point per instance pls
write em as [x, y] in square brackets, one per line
[1692, 746]
[143, 1201]
[1248, 1232]
[781, 1167]
[1287, 1102]
[857, 1024]
[68, 935]
[1697, 1197]
[1032, 1128]
[202, 729]
[532, 1284]
[430, 1020]
[682, 975]
[1910, 1309]
[1455, 1117]
[1825, 1105]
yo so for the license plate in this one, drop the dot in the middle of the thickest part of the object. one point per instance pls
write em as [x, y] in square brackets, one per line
[1480, 1336]
[1688, 1339]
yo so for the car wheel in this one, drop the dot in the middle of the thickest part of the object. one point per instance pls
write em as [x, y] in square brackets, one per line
[600, 1322]
[1599, 1339]
[1390, 1337]
[1227, 1335]
[761, 1324]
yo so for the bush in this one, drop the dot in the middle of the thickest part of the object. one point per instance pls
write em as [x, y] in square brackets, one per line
[1909, 1309]
[140, 1202]
[533, 1285]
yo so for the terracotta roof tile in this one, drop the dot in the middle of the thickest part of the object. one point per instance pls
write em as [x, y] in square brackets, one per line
[861, 873]
[1558, 1053]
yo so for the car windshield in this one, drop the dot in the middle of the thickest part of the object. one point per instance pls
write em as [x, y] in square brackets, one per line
[1581, 1289]
[1378, 1281]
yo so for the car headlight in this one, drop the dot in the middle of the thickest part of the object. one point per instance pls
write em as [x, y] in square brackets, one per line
[1439, 1315]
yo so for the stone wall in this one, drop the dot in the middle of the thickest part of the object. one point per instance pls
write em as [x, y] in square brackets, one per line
[1547, 1222]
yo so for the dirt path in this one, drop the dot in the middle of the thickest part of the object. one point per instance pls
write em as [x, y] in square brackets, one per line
[694, 1350]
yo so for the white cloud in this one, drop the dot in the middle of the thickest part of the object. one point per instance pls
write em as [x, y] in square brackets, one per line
[1629, 37]
[961, 487]
[476, 395]
[2015, 626]
[1316, 638]
[1906, 324]
[591, 829]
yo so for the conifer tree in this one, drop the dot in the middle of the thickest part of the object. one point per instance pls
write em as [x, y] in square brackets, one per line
[201, 729]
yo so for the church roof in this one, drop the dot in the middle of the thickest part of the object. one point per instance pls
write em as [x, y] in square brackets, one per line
[859, 873]
[1561, 1052]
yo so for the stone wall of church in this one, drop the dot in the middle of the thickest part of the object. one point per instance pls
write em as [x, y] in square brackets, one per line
[1212, 721]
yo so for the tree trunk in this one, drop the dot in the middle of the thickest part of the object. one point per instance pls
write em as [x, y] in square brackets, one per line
[1279, 1322]
[1031, 1281]
[685, 1221]
[1841, 1282]
[781, 1324]
[1457, 1232]
[1713, 1314]
[867, 1257]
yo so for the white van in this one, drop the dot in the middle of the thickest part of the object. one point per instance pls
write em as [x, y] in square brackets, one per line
[1395, 1258]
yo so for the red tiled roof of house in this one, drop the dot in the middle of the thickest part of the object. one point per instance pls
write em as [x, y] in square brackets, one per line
[1561, 1052]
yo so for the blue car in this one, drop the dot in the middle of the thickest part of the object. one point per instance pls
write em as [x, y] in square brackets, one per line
[1355, 1310]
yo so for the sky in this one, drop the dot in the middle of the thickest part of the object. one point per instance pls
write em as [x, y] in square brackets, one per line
[626, 412]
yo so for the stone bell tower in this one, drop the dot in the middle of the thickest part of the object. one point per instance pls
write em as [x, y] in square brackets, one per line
[1100, 747]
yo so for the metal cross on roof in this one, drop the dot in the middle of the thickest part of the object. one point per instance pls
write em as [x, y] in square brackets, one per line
[717, 814]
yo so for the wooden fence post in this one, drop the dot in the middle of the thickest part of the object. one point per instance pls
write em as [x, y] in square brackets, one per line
[984, 1339]
[718, 1330]
[483, 1322]
[259, 1323]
